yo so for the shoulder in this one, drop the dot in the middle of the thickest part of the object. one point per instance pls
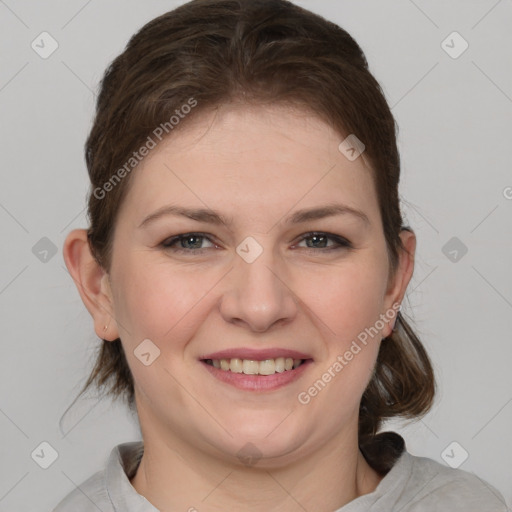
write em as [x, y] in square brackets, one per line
[87, 497]
[420, 484]
[431, 484]
[109, 489]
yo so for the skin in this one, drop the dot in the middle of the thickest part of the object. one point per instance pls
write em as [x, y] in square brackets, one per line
[255, 165]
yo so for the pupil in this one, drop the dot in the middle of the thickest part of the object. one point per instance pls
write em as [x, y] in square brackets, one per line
[317, 238]
[190, 238]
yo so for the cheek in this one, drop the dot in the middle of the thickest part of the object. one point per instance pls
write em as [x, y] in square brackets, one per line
[347, 297]
[347, 301]
[163, 304]
[161, 301]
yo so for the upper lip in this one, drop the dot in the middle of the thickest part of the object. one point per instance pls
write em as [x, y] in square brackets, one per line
[256, 354]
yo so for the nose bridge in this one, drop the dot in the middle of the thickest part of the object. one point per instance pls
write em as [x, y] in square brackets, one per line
[257, 294]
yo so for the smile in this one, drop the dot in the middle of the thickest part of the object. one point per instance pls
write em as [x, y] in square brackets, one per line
[256, 375]
[254, 367]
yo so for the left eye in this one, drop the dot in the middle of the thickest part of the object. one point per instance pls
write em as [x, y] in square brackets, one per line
[320, 239]
[192, 242]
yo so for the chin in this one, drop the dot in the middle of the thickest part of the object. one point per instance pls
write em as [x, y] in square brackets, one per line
[264, 443]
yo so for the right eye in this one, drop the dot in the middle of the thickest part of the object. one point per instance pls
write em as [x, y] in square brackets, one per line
[188, 243]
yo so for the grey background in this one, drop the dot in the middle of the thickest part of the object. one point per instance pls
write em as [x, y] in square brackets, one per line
[455, 118]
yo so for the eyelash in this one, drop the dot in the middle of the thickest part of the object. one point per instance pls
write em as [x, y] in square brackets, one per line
[342, 243]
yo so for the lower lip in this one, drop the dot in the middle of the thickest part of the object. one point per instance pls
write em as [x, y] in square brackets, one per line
[258, 382]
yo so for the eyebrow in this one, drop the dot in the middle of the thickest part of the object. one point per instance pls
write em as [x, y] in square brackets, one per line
[213, 217]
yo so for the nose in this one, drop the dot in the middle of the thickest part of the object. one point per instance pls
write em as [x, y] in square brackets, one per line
[258, 295]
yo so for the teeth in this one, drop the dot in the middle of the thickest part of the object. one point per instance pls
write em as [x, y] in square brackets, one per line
[267, 367]
[250, 367]
[253, 367]
[236, 365]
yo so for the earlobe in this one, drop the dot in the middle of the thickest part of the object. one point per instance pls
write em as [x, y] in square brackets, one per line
[91, 281]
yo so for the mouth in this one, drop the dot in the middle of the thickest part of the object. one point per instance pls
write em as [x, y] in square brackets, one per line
[256, 370]
[255, 367]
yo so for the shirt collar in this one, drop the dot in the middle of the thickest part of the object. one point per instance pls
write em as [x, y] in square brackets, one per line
[121, 466]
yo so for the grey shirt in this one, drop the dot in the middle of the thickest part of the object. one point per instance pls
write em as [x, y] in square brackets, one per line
[412, 484]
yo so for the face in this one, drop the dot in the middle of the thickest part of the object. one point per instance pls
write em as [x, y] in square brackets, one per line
[251, 283]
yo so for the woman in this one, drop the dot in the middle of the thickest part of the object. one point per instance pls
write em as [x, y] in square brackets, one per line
[245, 267]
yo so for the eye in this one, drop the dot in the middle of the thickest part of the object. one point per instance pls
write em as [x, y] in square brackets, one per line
[188, 243]
[193, 242]
[319, 240]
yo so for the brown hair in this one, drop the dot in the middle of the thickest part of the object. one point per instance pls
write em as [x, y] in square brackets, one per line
[269, 51]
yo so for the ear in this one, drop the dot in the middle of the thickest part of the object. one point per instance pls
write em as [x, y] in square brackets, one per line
[92, 282]
[399, 282]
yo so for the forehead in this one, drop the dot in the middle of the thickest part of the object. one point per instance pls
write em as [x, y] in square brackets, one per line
[252, 160]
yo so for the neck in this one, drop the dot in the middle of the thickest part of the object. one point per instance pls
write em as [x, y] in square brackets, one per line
[175, 476]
